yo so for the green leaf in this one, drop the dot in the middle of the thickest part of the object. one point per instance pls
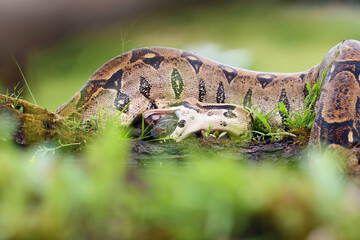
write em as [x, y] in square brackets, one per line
[261, 118]
[222, 134]
[282, 108]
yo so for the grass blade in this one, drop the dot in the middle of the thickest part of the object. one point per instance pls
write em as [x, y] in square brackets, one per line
[23, 76]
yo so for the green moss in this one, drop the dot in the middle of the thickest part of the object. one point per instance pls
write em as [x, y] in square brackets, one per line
[36, 124]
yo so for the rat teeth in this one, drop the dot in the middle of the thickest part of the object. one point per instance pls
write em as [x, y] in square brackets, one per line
[155, 117]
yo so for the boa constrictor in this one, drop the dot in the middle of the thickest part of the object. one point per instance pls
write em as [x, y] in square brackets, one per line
[155, 78]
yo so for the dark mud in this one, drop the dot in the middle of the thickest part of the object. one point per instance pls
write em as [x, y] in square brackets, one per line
[148, 153]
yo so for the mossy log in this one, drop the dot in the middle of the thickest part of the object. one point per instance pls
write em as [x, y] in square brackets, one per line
[35, 124]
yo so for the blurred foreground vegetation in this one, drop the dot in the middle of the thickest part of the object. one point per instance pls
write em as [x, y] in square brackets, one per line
[97, 194]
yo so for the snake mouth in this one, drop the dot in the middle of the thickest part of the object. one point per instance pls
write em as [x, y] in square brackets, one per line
[162, 121]
[151, 117]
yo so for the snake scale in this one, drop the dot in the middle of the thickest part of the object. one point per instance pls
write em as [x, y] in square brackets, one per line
[154, 78]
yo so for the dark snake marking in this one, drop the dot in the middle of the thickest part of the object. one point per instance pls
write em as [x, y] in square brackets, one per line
[305, 91]
[88, 90]
[220, 93]
[357, 108]
[247, 98]
[209, 107]
[202, 90]
[114, 82]
[283, 98]
[140, 54]
[152, 104]
[265, 79]
[189, 106]
[212, 107]
[331, 133]
[144, 87]
[194, 61]
[154, 62]
[121, 101]
[137, 54]
[302, 76]
[177, 83]
[351, 66]
[230, 73]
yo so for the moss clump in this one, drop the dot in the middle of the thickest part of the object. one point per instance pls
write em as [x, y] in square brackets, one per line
[302, 136]
[36, 124]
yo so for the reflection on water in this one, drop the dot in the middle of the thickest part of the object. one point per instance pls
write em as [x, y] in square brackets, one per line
[152, 156]
[149, 154]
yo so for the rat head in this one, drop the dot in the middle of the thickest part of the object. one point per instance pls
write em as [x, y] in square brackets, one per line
[193, 116]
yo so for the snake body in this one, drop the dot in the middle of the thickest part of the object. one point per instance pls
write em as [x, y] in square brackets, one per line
[154, 78]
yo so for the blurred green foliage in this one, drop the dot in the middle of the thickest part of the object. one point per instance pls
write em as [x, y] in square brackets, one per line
[98, 195]
[280, 38]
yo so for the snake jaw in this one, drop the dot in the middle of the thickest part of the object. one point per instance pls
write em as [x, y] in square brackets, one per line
[152, 116]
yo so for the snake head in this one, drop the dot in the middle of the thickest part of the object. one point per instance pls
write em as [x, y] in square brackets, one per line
[193, 116]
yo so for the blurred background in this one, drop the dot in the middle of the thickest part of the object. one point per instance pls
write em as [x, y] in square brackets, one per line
[60, 43]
